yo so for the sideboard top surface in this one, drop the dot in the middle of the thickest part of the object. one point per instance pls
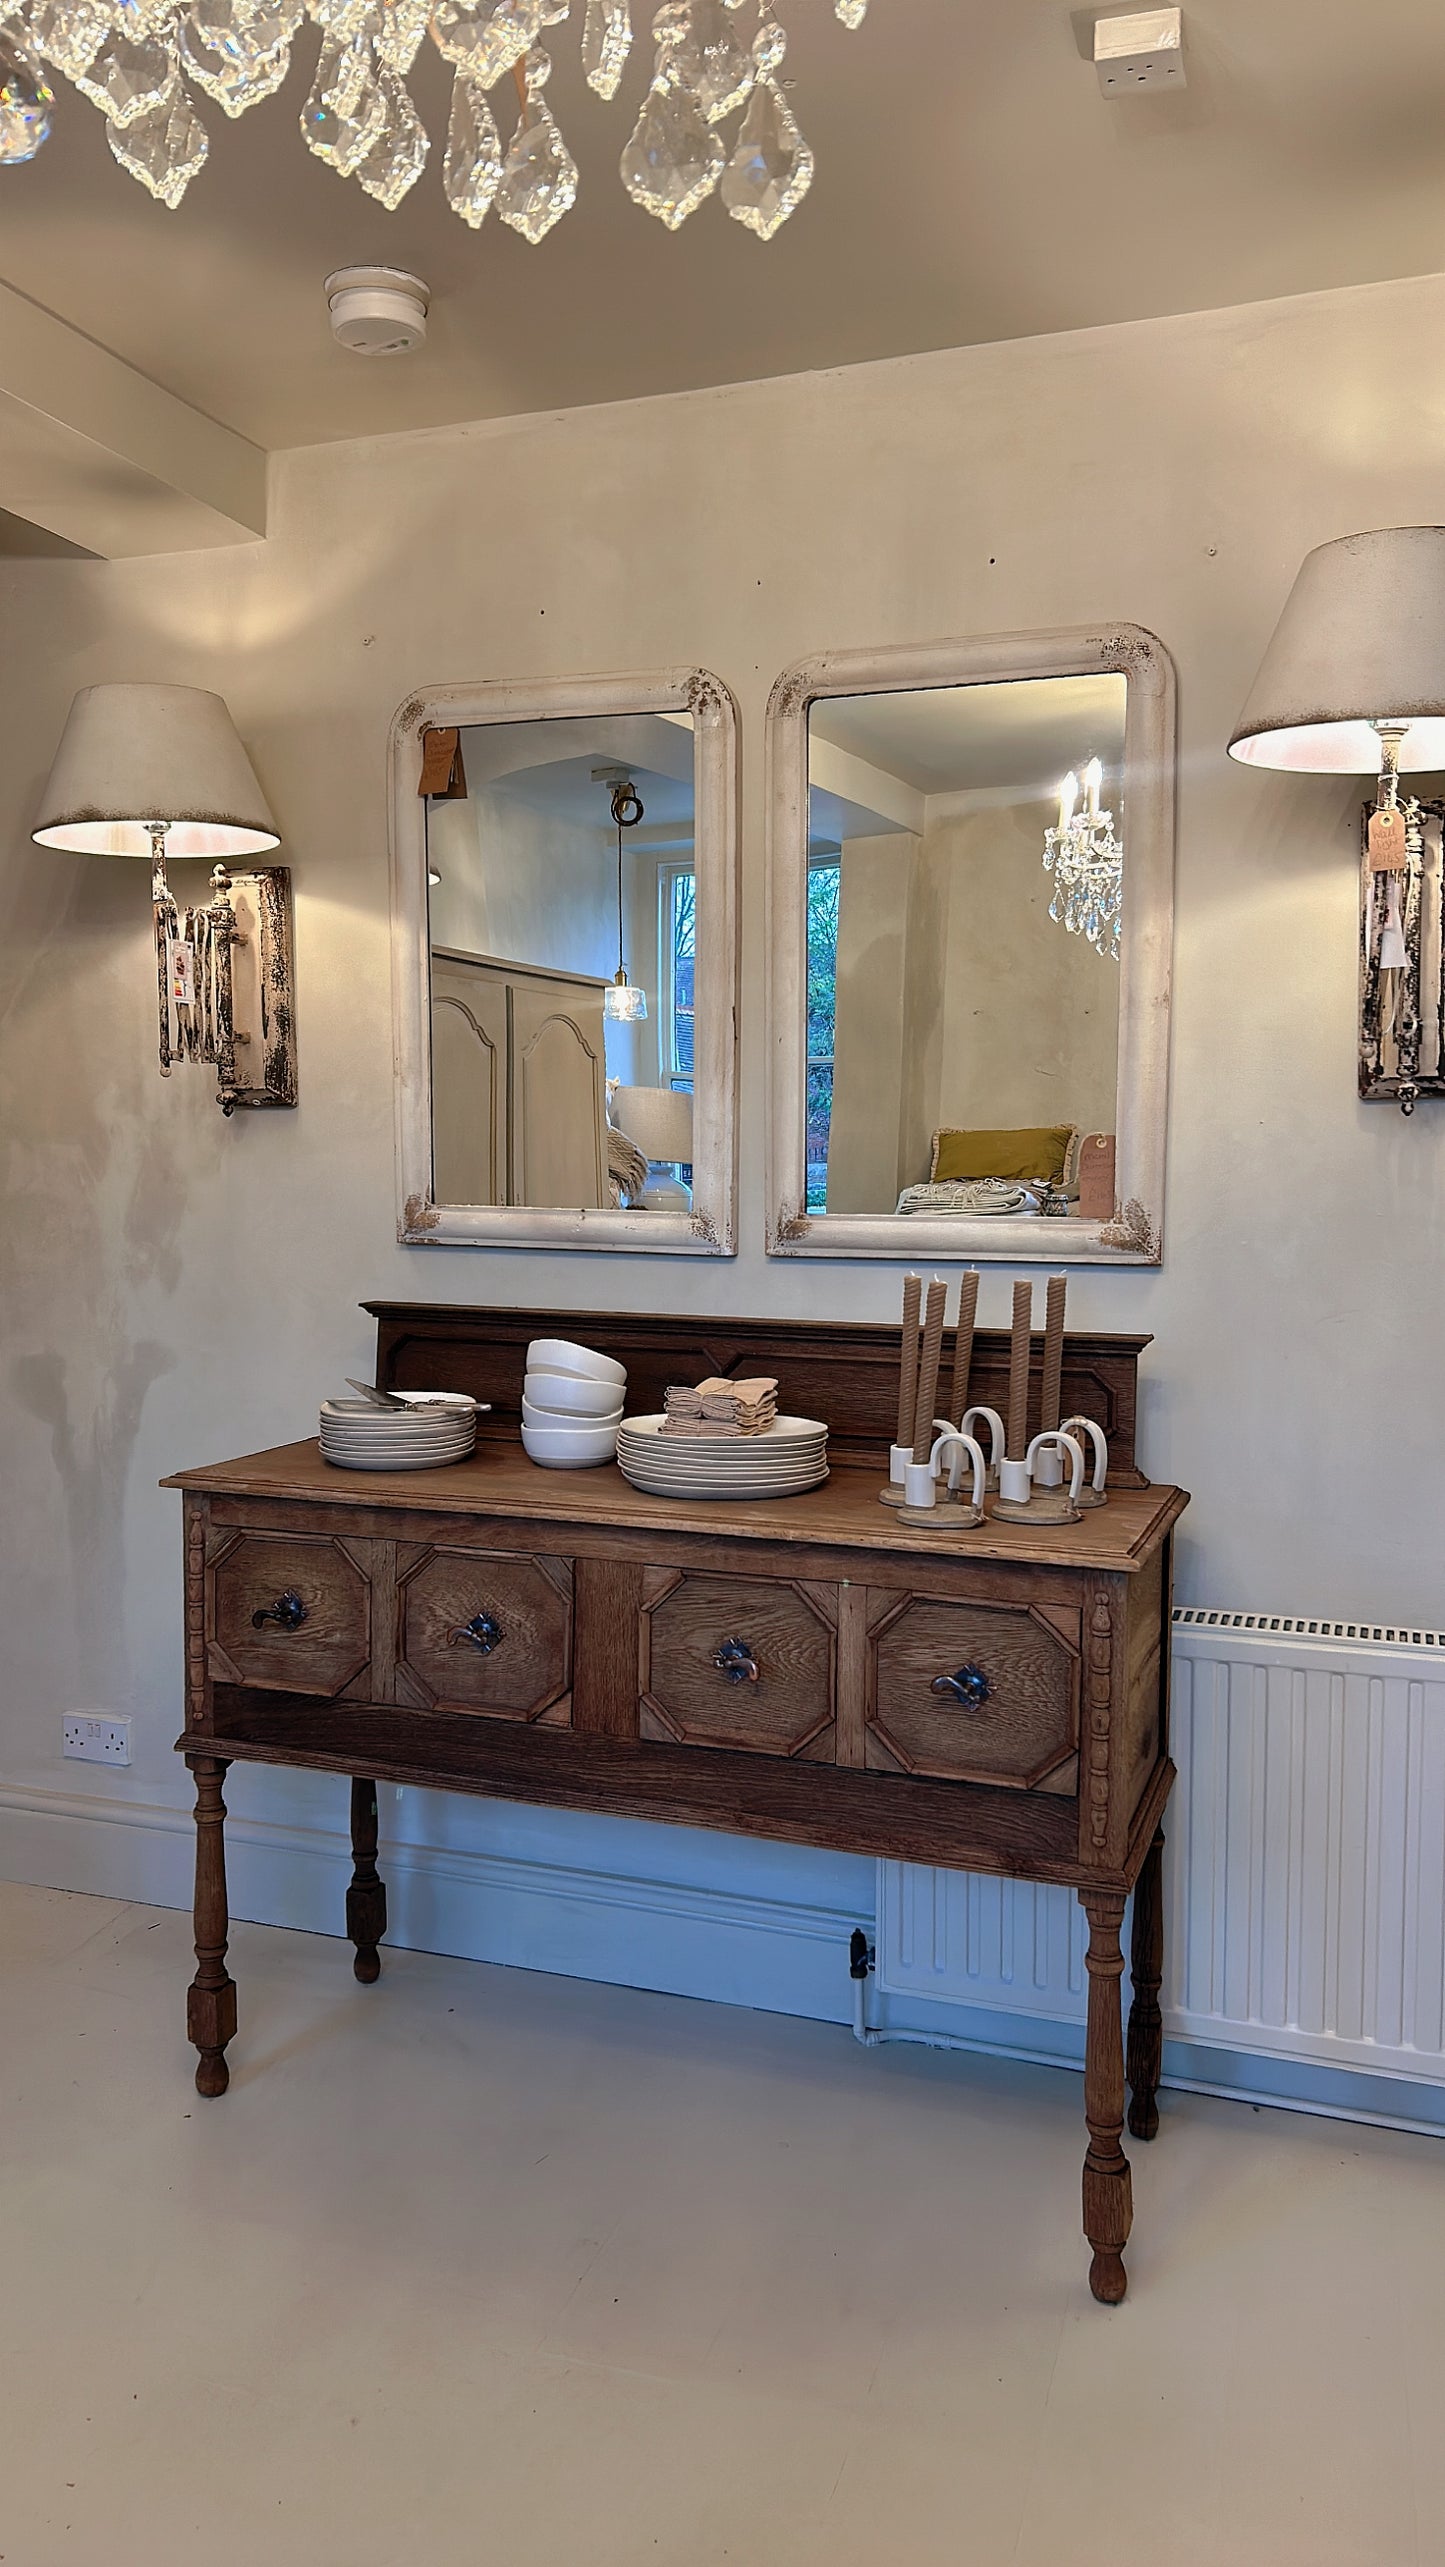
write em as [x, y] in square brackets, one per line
[845, 1513]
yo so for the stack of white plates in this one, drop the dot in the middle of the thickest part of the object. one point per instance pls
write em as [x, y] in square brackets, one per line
[571, 1404]
[791, 1457]
[433, 1427]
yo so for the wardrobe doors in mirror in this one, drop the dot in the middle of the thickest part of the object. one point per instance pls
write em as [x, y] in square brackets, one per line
[564, 943]
[971, 862]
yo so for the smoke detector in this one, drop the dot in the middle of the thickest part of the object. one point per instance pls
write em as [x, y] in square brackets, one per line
[378, 311]
[1142, 51]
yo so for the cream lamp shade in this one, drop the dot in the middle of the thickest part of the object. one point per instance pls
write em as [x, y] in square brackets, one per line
[1360, 644]
[658, 1120]
[134, 757]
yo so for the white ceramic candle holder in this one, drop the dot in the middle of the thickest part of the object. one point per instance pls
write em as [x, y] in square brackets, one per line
[1095, 1492]
[1048, 1470]
[961, 1514]
[899, 1457]
[997, 1437]
[1022, 1501]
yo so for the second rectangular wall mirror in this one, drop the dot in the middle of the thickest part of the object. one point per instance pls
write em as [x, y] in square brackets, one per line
[971, 865]
[565, 933]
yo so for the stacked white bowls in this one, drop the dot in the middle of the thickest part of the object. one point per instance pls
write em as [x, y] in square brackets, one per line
[571, 1405]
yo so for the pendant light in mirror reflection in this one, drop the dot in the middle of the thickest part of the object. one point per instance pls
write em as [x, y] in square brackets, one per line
[1353, 683]
[158, 773]
[624, 1002]
[1086, 861]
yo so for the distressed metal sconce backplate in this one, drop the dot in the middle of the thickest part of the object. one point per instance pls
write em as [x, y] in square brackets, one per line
[225, 983]
[1402, 1008]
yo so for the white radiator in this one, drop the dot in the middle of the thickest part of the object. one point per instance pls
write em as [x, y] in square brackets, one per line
[1305, 1863]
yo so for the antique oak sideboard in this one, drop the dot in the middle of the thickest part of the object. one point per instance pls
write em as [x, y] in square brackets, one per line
[807, 1669]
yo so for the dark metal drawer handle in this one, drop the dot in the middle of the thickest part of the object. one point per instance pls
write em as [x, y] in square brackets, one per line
[483, 1633]
[735, 1660]
[970, 1685]
[288, 1610]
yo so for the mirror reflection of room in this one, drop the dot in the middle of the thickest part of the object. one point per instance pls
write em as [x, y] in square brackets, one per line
[562, 908]
[963, 992]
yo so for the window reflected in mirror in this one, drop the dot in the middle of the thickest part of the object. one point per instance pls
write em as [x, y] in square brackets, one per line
[562, 903]
[966, 885]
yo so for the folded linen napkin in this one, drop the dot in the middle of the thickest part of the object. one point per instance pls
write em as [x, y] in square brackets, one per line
[721, 1407]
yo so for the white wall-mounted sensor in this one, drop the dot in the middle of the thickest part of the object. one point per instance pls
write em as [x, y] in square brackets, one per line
[1142, 51]
[378, 311]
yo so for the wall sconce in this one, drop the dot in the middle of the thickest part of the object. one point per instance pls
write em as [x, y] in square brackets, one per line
[1353, 683]
[158, 772]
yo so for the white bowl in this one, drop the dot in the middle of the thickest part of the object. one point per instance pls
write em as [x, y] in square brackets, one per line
[552, 1418]
[569, 1448]
[569, 1395]
[559, 1355]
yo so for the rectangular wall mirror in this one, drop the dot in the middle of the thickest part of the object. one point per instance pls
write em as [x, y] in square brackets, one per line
[971, 871]
[565, 934]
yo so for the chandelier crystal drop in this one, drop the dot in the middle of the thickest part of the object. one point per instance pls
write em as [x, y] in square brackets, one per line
[25, 100]
[539, 176]
[472, 170]
[140, 62]
[1086, 860]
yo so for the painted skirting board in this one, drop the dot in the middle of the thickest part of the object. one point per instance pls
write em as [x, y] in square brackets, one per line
[671, 1909]
[559, 1892]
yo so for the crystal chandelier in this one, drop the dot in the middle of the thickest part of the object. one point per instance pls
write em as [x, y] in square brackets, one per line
[1087, 864]
[139, 61]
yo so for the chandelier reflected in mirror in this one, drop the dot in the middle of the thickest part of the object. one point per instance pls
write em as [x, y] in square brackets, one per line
[1086, 860]
[140, 61]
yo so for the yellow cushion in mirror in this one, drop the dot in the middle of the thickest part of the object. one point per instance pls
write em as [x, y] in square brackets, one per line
[1040, 1151]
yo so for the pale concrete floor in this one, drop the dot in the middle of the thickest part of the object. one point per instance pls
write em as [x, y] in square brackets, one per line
[482, 2269]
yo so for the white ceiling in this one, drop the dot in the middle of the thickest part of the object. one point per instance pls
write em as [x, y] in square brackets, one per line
[1017, 737]
[972, 184]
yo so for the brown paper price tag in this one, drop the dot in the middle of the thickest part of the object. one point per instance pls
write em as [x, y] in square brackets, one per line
[1388, 847]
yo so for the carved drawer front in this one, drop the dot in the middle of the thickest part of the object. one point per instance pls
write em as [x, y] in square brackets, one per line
[485, 1631]
[290, 1611]
[738, 1662]
[979, 1693]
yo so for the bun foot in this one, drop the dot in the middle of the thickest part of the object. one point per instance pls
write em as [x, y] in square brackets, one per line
[1107, 2278]
[367, 1966]
[212, 2074]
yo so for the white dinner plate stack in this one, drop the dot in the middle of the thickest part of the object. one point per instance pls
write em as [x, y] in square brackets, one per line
[791, 1457]
[434, 1427]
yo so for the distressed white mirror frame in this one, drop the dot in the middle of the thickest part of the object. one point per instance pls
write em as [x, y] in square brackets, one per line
[710, 1228]
[1134, 1236]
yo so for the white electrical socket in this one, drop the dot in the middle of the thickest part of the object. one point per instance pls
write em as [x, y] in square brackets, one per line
[1142, 51]
[96, 1738]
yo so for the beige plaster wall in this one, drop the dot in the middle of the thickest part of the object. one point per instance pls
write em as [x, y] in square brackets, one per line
[1030, 1014]
[175, 1287]
[874, 887]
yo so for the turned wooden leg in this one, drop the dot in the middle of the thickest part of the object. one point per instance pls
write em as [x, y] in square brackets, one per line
[366, 1898]
[211, 2002]
[1146, 2023]
[1108, 2186]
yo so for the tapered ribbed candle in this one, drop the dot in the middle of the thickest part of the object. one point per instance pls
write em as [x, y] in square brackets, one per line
[928, 1364]
[963, 1343]
[908, 1367]
[1051, 1404]
[1018, 1372]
